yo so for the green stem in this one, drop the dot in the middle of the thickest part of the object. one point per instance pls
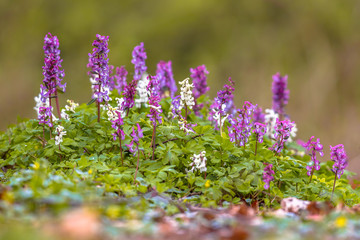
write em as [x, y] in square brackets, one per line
[121, 154]
[57, 105]
[312, 172]
[153, 142]
[332, 194]
[137, 166]
[257, 135]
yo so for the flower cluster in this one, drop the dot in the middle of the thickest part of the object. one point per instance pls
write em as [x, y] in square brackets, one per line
[51, 69]
[186, 96]
[68, 108]
[120, 78]
[280, 93]
[155, 108]
[117, 124]
[143, 93]
[240, 129]
[338, 155]
[129, 95]
[112, 111]
[222, 104]
[282, 134]
[99, 73]
[199, 77]
[185, 125]
[166, 79]
[44, 115]
[138, 59]
[259, 116]
[270, 121]
[136, 135]
[61, 132]
[198, 162]
[175, 108]
[313, 146]
[259, 130]
[268, 175]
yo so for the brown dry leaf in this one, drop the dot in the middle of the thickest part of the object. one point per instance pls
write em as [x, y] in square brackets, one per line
[241, 209]
[81, 223]
[319, 208]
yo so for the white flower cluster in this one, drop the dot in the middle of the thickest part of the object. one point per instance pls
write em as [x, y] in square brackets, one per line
[142, 91]
[198, 162]
[184, 126]
[186, 95]
[220, 122]
[61, 133]
[40, 103]
[112, 116]
[69, 108]
[270, 121]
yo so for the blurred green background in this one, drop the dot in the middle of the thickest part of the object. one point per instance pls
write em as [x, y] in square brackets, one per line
[317, 43]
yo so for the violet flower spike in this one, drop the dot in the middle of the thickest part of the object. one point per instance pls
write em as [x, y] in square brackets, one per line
[259, 130]
[268, 175]
[129, 95]
[282, 134]
[167, 84]
[120, 79]
[99, 73]
[338, 155]
[44, 115]
[154, 99]
[199, 77]
[52, 72]
[134, 145]
[138, 59]
[280, 93]
[313, 146]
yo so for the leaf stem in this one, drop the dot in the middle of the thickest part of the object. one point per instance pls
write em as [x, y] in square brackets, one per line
[137, 165]
[332, 194]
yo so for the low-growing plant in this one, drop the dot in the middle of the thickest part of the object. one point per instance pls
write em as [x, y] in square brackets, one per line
[159, 140]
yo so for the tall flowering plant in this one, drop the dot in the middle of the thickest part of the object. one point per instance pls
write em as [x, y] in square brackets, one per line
[282, 134]
[155, 108]
[116, 123]
[338, 155]
[268, 175]
[186, 96]
[167, 85]
[221, 105]
[313, 147]
[280, 94]
[52, 72]
[259, 130]
[99, 73]
[134, 145]
[240, 129]
[199, 76]
[138, 59]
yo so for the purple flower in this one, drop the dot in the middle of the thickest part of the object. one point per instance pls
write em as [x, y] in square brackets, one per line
[313, 146]
[280, 93]
[136, 135]
[166, 79]
[120, 78]
[338, 155]
[259, 116]
[111, 82]
[282, 133]
[51, 69]
[175, 107]
[199, 77]
[240, 129]
[268, 175]
[129, 94]
[154, 99]
[222, 104]
[44, 115]
[259, 130]
[117, 125]
[138, 59]
[98, 63]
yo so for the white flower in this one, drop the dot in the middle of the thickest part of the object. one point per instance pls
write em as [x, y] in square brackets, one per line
[186, 95]
[112, 115]
[142, 91]
[60, 131]
[40, 103]
[198, 162]
[72, 105]
[183, 126]
[270, 122]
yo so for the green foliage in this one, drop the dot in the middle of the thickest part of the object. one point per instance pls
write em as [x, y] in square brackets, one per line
[86, 167]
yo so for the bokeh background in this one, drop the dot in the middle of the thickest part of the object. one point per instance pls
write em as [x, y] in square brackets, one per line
[316, 43]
